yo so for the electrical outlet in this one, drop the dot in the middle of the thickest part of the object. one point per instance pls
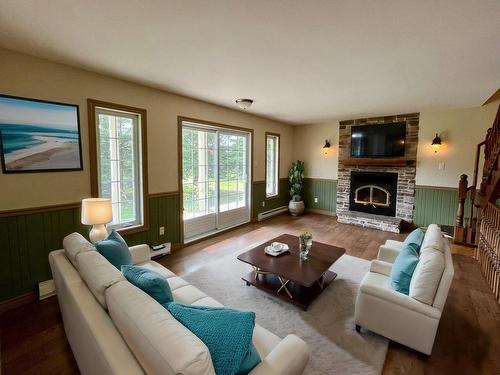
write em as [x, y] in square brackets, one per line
[315, 200]
[162, 231]
[263, 203]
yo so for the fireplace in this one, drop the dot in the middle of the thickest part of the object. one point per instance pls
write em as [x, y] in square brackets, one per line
[373, 192]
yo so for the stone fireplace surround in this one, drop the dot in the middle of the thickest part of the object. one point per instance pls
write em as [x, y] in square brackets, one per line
[405, 182]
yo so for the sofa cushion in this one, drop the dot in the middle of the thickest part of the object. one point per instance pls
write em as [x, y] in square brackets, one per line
[416, 237]
[226, 332]
[98, 274]
[427, 276]
[115, 250]
[158, 341]
[151, 282]
[403, 267]
[433, 239]
[73, 245]
[158, 268]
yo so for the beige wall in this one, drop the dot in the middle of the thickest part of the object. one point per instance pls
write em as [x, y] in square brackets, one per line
[23, 75]
[460, 129]
[307, 146]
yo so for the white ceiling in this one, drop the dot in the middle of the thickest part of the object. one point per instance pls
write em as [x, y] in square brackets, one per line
[301, 61]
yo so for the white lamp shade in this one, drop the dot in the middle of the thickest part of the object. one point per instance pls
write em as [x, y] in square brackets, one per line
[96, 211]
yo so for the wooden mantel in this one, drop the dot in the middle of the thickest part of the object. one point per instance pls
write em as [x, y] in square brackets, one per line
[382, 162]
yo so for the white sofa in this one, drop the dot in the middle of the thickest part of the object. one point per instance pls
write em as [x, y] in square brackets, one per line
[115, 328]
[398, 316]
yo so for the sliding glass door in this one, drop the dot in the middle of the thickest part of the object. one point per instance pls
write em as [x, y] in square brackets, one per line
[215, 179]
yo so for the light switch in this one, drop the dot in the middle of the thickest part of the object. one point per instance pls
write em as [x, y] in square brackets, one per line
[441, 166]
[162, 231]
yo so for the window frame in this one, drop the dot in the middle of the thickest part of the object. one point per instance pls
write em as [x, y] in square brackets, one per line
[180, 120]
[277, 163]
[92, 106]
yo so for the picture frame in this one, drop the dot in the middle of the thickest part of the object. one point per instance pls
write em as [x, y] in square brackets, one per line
[39, 136]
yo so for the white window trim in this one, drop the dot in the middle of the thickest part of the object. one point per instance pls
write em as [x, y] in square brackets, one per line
[138, 170]
[276, 164]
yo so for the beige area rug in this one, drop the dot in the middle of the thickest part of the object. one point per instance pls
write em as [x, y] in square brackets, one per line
[327, 326]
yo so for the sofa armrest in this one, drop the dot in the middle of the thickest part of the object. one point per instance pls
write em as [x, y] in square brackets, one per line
[289, 357]
[379, 266]
[391, 296]
[387, 254]
[140, 253]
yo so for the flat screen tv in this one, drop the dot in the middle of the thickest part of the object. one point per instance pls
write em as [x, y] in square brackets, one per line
[378, 141]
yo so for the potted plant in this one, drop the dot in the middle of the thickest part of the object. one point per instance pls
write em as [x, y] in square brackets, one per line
[296, 178]
[305, 243]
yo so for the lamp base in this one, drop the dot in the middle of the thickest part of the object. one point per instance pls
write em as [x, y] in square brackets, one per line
[98, 233]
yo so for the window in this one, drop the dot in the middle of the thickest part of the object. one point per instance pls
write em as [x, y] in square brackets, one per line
[272, 164]
[119, 162]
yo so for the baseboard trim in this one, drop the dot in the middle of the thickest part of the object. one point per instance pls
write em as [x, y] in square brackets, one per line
[15, 302]
[321, 212]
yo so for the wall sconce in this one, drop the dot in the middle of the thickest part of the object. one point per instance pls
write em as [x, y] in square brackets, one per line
[326, 147]
[436, 143]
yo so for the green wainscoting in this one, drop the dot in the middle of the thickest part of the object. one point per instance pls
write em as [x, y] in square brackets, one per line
[436, 205]
[27, 238]
[324, 190]
[259, 196]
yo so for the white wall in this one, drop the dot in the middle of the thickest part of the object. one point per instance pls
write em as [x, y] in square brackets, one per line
[460, 129]
[308, 141]
[27, 76]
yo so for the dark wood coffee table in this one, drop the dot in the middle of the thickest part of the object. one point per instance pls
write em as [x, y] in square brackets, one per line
[287, 276]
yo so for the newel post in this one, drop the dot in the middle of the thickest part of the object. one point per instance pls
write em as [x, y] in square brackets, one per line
[462, 196]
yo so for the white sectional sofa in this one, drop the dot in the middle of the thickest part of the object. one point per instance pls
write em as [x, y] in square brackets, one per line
[115, 328]
[398, 316]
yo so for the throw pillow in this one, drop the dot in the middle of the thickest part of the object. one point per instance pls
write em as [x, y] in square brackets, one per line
[150, 282]
[416, 237]
[115, 250]
[403, 267]
[427, 276]
[226, 332]
[433, 238]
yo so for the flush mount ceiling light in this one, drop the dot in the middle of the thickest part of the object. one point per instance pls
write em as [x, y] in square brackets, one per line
[244, 103]
[436, 143]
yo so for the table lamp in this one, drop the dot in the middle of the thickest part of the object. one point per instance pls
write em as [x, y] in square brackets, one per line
[97, 212]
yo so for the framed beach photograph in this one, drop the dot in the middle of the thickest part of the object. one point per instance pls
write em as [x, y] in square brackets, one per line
[39, 136]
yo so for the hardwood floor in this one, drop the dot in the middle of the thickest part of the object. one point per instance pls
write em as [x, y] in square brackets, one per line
[468, 339]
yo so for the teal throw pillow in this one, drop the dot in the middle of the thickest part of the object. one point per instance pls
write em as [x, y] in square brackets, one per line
[252, 359]
[416, 237]
[226, 332]
[150, 282]
[403, 268]
[115, 250]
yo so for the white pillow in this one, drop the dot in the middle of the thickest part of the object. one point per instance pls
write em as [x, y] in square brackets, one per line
[433, 239]
[427, 275]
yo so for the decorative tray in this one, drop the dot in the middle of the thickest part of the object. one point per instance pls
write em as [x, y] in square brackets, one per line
[276, 248]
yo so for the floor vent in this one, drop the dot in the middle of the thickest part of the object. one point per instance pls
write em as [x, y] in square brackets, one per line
[271, 213]
[46, 289]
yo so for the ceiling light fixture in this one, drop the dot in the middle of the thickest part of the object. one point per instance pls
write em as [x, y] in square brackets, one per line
[244, 103]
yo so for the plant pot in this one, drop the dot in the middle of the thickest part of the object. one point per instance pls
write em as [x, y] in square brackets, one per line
[296, 208]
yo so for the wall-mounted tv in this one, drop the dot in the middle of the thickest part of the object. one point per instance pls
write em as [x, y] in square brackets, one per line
[380, 140]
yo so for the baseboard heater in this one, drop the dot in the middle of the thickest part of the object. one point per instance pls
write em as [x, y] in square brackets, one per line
[271, 213]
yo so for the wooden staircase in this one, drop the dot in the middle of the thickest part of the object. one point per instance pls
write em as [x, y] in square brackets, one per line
[482, 226]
